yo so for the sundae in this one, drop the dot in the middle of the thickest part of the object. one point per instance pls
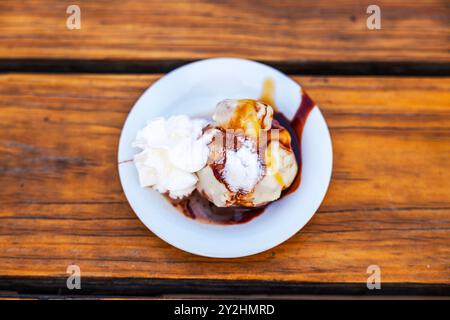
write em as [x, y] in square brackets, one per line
[241, 159]
[250, 157]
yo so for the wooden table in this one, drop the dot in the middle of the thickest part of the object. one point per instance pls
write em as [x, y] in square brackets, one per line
[64, 96]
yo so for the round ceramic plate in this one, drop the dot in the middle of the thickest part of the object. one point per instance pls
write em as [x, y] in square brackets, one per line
[195, 89]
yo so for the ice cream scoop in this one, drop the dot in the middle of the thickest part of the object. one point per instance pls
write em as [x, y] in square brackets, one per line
[250, 159]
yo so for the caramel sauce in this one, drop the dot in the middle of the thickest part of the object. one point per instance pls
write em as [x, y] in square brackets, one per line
[268, 93]
[197, 207]
[245, 118]
[295, 128]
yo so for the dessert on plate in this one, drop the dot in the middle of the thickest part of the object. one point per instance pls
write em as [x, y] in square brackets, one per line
[250, 158]
[226, 169]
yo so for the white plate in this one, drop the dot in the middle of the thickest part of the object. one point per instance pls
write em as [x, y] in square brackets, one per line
[195, 89]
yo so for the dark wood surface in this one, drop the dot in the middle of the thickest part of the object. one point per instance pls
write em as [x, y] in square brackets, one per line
[385, 96]
[62, 203]
[288, 31]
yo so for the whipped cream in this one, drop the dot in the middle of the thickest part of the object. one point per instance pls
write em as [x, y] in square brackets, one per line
[173, 150]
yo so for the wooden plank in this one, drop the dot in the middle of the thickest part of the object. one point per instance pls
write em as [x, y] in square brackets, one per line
[288, 31]
[388, 204]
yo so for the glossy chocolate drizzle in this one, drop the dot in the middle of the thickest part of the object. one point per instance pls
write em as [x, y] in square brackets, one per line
[197, 207]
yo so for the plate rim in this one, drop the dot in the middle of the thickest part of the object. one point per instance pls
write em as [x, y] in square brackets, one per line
[247, 252]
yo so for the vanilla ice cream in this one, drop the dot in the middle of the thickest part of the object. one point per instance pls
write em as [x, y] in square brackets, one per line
[173, 150]
[250, 156]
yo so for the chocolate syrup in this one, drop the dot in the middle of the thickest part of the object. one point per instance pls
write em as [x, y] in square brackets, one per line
[295, 128]
[199, 208]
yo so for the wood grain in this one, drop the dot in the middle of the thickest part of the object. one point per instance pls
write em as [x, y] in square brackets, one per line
[288, 31]
[388, 204]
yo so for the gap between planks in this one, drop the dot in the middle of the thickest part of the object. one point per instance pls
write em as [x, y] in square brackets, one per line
[343, 68]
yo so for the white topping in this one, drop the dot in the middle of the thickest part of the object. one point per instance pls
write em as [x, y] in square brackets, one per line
[172, 151]
[242, 168]
[224, 111]
[265, 112]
